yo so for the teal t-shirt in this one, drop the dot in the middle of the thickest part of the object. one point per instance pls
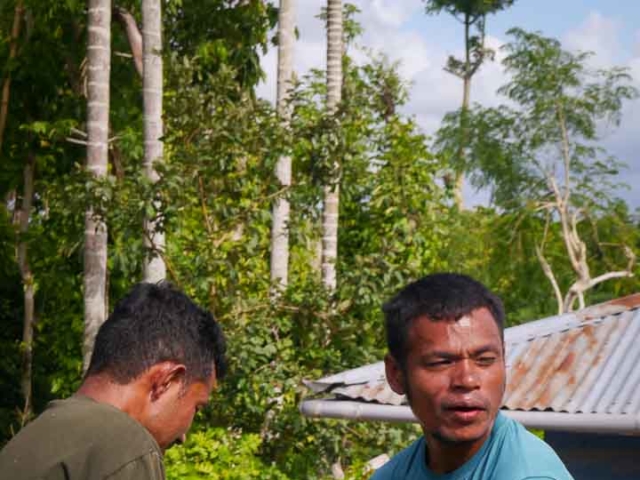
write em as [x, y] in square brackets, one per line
[510, 453]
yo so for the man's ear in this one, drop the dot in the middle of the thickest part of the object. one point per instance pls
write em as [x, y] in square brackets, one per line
[395, 374]
[163, 376]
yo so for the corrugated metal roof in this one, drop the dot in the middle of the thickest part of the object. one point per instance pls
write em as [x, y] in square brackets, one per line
[583, 362]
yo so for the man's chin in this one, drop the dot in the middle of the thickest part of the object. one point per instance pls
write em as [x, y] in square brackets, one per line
[469, 434]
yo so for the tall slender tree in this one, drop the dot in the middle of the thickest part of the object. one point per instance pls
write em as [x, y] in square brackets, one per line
[28, 288]
[331, 204]
[13, 48]
[152, 87]
[473, 15]
[279, 229]
[95, 240]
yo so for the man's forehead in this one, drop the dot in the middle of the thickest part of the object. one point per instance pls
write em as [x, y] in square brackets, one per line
[477, 326]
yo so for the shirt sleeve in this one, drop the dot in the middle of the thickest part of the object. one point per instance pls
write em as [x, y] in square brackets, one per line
[146, 467]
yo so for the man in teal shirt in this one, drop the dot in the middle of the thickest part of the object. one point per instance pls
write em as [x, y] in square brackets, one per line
[446, 354]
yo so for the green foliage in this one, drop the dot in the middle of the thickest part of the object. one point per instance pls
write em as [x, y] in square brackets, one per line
[471, 8]
[219, 454]
[222, 34]
[472, 13]
[513, 149]
[542, 160]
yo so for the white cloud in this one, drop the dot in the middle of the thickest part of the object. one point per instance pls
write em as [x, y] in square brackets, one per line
[601, 35]
[392, 13]
[382, 21]
[597, 34]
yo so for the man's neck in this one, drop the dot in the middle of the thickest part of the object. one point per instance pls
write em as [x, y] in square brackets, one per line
[104, 390]
[445, 457]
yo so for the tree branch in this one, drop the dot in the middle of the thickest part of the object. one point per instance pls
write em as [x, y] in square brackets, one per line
[566, 155]
[6, 87]
[631, 256]
[128, 23]
[561, 207]
[546, 267]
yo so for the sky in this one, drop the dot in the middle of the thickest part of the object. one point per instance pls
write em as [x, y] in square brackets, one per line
[421, 44]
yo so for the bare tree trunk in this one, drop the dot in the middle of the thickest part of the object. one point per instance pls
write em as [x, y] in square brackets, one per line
[27, 283]
[466, 97]
[155, 268]
[95, 244]
[330, 214]
[575, 247]
[13, 48]
[280, 227]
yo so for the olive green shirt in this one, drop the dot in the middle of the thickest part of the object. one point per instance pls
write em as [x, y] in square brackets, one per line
[78, 439]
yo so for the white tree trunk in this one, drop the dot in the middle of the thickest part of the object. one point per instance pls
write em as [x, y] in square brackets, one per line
[154, 269]
[332, 192]
[279, 229]
[95, 239]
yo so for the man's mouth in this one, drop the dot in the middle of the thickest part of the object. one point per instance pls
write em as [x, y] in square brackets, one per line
[465, 412]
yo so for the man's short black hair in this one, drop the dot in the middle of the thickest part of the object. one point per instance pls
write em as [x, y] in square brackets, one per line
[156, 323]
[440, 296]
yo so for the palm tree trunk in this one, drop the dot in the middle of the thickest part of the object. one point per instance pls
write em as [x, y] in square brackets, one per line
[155, 268]
[330, 214]
[27, 283]
[279, 229]
[95, 243]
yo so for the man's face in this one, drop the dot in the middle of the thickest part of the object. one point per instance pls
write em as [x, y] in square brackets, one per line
[173, 412]
[454, 376]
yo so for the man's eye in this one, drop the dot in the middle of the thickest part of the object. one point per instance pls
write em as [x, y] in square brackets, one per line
[486, 360]
[439, 363]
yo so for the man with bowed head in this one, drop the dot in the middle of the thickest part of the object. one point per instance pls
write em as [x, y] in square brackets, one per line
[155, 362]
[446, 354]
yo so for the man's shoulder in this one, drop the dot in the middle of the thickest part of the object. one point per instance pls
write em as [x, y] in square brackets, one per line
[85, 414]
[403, 463]
[79, 433]
[520, 452]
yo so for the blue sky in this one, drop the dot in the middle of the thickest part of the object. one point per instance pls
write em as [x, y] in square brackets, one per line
[555, 17]
[421, 44]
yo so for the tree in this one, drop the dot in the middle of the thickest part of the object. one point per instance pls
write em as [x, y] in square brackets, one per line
[152, 89]
[279, 229]
[95, 243]
[29, 289]
[471, 13]
[331, 202]
[218, 180]
[544, 157]
[6, 85]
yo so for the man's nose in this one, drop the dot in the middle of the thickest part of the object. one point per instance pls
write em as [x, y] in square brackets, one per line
[465, 375]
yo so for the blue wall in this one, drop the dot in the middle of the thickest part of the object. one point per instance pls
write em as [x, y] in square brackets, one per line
[597, 457]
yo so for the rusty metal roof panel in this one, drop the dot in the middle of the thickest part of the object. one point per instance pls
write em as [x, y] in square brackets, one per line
[372, 392]
[584, 362]
[581, 369]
